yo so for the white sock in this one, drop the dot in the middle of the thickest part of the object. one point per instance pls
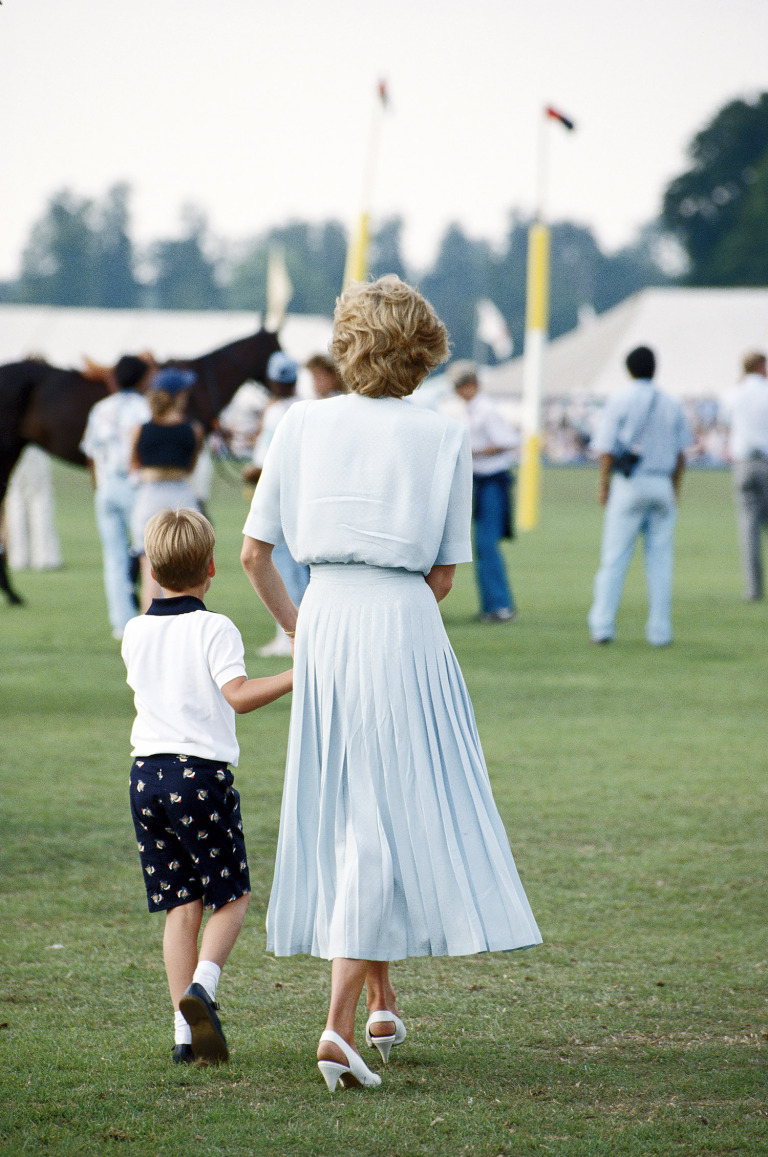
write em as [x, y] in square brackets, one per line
[207, 973]
[182, 1033]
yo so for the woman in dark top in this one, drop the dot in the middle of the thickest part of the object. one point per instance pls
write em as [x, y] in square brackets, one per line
[164, 454]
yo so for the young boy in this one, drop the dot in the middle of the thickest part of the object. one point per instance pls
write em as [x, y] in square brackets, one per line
[186, 667]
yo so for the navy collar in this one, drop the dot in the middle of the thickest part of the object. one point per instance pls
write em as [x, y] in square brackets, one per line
[178, 605]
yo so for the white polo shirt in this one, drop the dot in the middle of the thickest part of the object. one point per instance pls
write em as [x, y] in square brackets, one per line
[487, 427]
[178, 657]
[745, 411]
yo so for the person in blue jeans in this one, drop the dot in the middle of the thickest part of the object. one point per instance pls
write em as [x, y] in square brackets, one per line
[106, 445]
[493, 444]
[282, 374]
[654, 427]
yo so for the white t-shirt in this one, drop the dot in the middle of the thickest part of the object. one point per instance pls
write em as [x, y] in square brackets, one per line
[273, 414]
[109, 433]
[370, 480]
[487, 427]
[745, 411]
[178, 657]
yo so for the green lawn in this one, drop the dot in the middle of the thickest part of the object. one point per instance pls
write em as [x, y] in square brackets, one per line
[633, 785]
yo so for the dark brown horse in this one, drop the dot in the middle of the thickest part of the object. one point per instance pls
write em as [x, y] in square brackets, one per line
[49, 407]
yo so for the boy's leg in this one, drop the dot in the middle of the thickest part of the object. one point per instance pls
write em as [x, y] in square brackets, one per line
[182, 928]
[197, 1005]
[222, 930]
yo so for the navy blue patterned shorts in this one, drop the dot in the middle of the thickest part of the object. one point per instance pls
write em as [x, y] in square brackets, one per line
[187, 819]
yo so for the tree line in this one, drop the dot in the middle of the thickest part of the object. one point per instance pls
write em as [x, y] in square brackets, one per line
[81, 253]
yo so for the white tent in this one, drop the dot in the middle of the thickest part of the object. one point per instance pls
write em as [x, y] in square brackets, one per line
[65, 336]
[699, 337]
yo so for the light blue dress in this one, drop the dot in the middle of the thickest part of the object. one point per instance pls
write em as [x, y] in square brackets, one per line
[390, 842]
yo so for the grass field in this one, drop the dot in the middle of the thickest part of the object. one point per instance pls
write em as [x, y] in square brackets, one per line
[633, 785]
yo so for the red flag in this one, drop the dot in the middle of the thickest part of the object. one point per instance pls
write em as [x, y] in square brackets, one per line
[558, 116]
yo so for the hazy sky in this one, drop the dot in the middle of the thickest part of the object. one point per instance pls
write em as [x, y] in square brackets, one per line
[260, 110]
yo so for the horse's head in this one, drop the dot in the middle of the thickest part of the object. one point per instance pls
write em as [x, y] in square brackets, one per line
[221, 373]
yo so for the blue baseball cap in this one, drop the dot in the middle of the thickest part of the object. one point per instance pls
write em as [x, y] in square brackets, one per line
[281, 368]
[173, 380]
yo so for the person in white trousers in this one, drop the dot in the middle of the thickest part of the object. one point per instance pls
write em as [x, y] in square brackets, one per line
[30, 514]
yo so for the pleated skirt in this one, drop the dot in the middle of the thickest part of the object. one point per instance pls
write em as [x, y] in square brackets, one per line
[390, 841]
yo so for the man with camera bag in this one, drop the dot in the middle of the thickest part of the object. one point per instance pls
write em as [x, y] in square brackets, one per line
[640, 440]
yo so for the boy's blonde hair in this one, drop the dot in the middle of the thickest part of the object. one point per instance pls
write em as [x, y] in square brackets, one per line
[179, 545]
[386, 338]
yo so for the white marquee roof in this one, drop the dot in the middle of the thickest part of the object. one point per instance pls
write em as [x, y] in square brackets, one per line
[65, 336]
[699, 337]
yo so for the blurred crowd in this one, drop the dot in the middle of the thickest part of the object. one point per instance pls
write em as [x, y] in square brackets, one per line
[569, 425]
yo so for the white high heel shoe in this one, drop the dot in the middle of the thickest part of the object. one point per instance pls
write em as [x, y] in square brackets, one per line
[355, 1074]
[384, 1043]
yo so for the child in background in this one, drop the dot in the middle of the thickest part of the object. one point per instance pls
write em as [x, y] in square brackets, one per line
[186, 667]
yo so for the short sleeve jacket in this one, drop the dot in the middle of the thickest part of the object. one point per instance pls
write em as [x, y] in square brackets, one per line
[381, 481]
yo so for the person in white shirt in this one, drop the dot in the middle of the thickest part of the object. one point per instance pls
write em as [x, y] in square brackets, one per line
[185, 666]
[745, 412]
[106, 445]
[30, 514]
[282, 374]
[640, 442]
[493, 444]
[390, 843]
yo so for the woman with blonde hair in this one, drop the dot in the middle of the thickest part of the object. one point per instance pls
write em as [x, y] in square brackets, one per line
[390, 842]
[163, 455]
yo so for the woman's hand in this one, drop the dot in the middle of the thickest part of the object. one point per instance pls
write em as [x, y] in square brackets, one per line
[440, 580]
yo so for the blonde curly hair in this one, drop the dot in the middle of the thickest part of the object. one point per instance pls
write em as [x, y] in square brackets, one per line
[386, 338]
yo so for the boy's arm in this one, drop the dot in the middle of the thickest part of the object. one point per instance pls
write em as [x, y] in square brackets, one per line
[248, 694]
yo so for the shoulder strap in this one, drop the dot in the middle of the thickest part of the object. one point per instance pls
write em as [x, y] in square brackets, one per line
[648, 413]
[640, 430]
